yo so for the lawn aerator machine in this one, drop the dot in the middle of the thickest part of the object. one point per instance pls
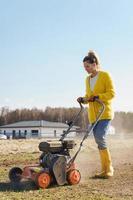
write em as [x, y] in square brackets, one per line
[55, 163]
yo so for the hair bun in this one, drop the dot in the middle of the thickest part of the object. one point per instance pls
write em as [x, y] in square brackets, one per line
[91, 53]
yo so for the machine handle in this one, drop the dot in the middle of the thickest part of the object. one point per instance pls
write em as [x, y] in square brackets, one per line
[71, 123]
[90, 130]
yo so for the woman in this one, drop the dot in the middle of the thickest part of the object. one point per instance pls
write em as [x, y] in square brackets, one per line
[99, 85]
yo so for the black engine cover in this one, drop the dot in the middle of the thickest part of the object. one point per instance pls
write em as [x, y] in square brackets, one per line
[56, 146]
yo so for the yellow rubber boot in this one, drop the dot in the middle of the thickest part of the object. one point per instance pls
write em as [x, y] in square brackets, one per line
[109, 171]
[103, 164]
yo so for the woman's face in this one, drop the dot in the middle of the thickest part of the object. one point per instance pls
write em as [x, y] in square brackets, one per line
[90, 68]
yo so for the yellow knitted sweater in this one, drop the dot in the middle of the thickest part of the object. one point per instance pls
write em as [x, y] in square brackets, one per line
[103, 88]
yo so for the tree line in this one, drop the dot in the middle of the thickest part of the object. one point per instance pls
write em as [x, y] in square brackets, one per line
[123, 122]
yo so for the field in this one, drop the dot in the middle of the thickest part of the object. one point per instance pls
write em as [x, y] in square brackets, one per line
[23, 152]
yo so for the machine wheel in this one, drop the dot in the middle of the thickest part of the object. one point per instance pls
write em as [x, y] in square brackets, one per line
[73, 177]
[43, 180]
[15, 174]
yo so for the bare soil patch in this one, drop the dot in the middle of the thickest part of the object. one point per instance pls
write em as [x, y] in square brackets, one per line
[23, 152]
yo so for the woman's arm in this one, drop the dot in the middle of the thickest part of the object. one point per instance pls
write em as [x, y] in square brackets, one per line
[110, 91]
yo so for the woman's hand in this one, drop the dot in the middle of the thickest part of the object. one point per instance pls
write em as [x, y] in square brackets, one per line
[87, 100]
[80, 99]
[92, 98]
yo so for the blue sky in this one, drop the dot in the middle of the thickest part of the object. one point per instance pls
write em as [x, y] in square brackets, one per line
[42, 44]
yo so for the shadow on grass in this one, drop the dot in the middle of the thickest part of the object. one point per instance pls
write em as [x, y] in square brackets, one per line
[22, 186]
[17, 187]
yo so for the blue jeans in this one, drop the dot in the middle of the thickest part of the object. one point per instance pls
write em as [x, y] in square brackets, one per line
[100, 133]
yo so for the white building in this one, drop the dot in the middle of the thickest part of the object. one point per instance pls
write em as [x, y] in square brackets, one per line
[31, 129]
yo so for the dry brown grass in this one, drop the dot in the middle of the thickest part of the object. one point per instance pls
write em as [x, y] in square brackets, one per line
[22, 152]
